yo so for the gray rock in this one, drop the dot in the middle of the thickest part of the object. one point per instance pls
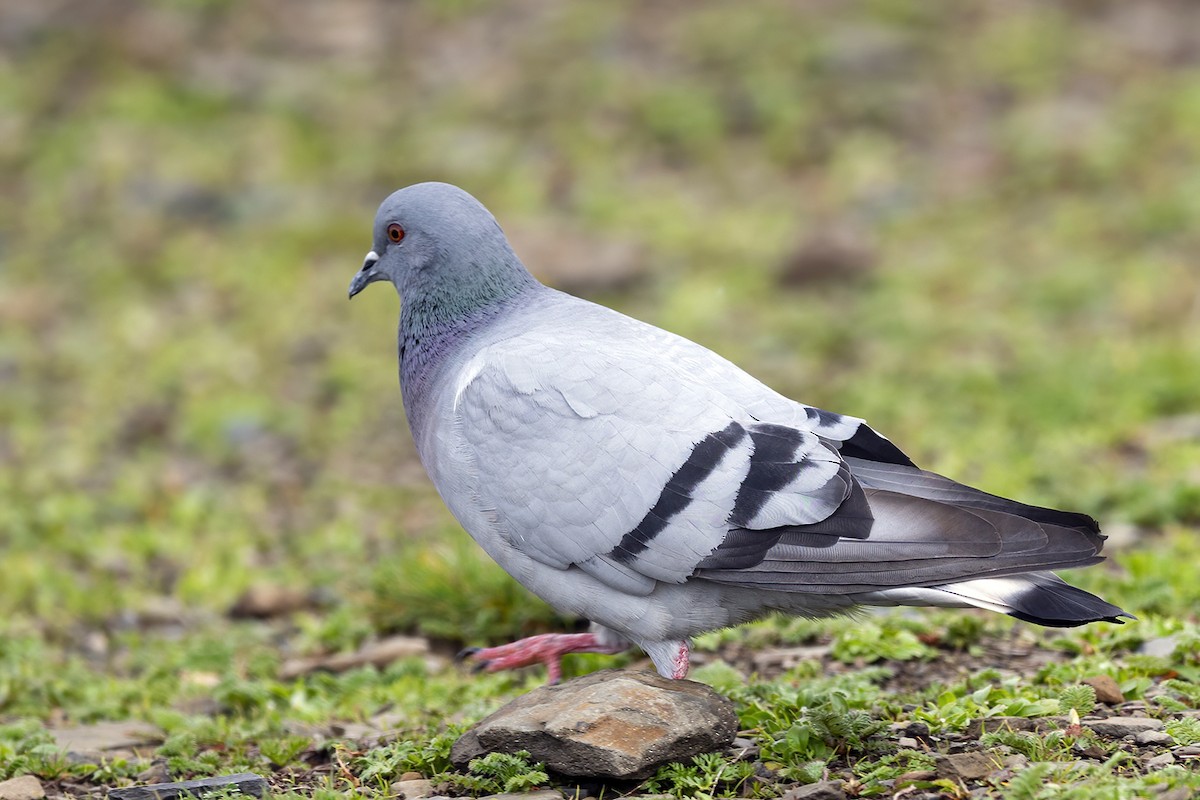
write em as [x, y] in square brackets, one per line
[913, 730]
[965, 766]
[22, 787]
[822, 790]
[155, 773]
[1163, 647]
[907, 743]
[1119, 727]
[1154, 737]
[543, 794]
[743, 750]
[609, 724]
[268, 600]
[244, 782]
[1178, 793]
[105, 736]
[1126, 709]
[1016, 762]
[377, 654]
[413, 789]
[978, 727]
[1160, 761]
[785, 658]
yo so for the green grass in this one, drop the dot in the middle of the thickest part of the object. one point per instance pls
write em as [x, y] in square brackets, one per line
[189, 407]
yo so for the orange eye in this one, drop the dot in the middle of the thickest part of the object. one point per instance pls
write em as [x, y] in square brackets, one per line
[395, 232]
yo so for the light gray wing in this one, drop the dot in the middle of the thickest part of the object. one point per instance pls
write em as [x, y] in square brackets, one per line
[630, 461]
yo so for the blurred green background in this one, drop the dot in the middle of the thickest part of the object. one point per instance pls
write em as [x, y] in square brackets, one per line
[973, 223]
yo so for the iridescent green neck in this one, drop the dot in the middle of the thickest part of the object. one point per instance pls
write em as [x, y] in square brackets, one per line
[438, 317]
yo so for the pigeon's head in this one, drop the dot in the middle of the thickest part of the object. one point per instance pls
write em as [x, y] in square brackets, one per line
[434, 236]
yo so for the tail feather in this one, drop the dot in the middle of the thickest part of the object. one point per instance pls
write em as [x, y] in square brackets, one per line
[1042, 598]
[931, 486]
[913, 541]
[928, 541]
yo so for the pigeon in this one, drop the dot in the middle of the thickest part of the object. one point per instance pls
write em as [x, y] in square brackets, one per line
[635, 479]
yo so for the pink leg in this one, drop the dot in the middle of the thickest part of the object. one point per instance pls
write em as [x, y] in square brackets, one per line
[546, 648]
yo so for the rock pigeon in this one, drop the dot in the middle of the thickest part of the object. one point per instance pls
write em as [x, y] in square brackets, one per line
[638, 480]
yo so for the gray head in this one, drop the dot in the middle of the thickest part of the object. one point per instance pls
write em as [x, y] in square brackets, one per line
[438, 245]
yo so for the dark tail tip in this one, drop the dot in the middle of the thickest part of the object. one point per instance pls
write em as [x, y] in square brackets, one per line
[1061, 605]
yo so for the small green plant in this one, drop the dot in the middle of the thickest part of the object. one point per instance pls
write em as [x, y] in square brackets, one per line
[1029, 782]
[720, 676]
[109, 771]
[498, 773]
[1081, 698]
[870, 642]
[1170, 704]
[282, 750]
[186, 757]
[820, 733]
[954, 708]
[1190, 692]
[709, 775]
[964, 631]
[430, 757]
[871, 774]
[1185, 730]
[1053, 746]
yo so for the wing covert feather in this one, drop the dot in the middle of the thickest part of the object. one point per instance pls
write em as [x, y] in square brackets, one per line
[629, 464]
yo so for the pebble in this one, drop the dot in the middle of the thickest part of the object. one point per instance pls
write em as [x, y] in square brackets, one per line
[916, 776]
[1119, 727]
[244, 782]
[911, 730]
[965, 766]
[983, 725]
[1160, 761]
[1016, 762]
[743, 749]
[609, 724]
[1154, 737]
[413, 789]
[105, 736]
[377, 654]
[907, 743]
[1107, 690]
[1178, 793]
[1163, 647]
[23, 787]
[821, 790]
[265, 601]
[155, 773]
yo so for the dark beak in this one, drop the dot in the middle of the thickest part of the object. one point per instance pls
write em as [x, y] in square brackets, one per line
[365, 275]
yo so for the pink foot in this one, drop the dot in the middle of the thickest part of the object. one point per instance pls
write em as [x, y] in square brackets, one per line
[671, 658]
[546, 648]
[682, 662]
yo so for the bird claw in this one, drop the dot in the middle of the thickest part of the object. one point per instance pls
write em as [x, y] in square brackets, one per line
[478, 665]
